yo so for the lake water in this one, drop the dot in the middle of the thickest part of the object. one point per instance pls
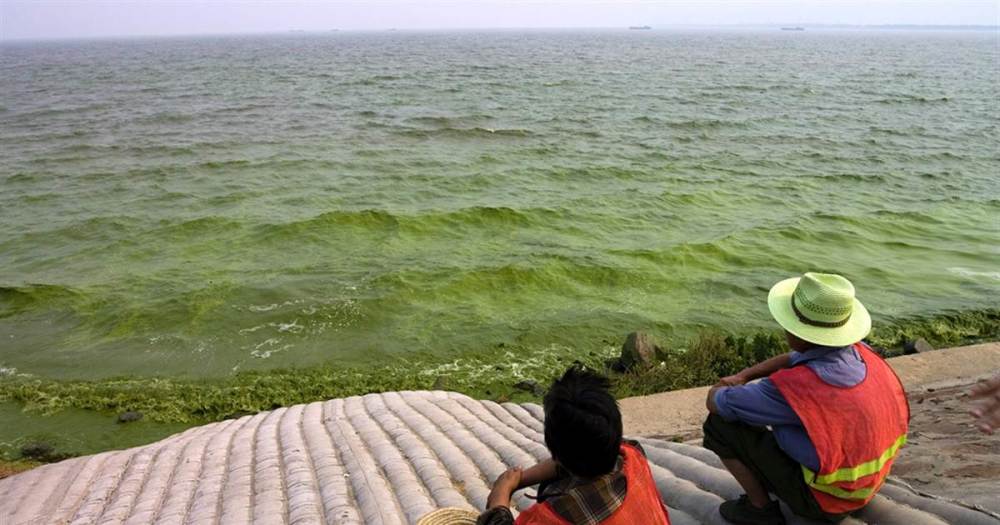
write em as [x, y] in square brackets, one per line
[195, 206]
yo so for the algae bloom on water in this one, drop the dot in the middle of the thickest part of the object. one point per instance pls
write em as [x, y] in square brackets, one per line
[233, 223]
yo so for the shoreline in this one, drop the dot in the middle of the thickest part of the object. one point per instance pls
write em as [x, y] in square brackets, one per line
[677, 415]
[41, 410]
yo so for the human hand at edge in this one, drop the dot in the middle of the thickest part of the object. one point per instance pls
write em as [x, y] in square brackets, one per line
[986, 404]
[503, 488]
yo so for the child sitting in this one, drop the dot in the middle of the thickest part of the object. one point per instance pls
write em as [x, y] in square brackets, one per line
[593, 477]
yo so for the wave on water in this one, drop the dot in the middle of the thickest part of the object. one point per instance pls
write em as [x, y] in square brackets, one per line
[167, 117]
[974, 274]
[900, 132]
[452, 122]
[375, 80]
[704, 124]
[381, 220]
[873, 178]
[242, 108]
[197, 227]
[34, 297]
[553, 275]
[464, 133]
[913, 99]
[54, 112]
[377, 219]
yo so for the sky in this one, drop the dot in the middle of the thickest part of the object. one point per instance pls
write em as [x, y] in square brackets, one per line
[41, 19]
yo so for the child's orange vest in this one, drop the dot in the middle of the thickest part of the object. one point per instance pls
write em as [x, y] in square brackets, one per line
[857, 431]
[642, 505]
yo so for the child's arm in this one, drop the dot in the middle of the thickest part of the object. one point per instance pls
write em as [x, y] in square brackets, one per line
[503, 488]
[543, 471]
[516, 479]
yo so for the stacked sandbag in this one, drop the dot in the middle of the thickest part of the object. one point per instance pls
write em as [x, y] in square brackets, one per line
[381, 459]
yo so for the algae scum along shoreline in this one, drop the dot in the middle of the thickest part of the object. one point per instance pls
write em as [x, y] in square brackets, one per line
[44, 407]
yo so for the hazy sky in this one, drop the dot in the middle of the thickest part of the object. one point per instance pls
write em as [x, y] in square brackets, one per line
[60, 18]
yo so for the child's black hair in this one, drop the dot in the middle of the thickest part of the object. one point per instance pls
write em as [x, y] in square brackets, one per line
[583, 426]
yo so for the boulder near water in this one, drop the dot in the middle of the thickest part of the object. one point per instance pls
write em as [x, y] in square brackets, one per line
[531, 386]
[129, 417]
[639, 351]
[917, 346]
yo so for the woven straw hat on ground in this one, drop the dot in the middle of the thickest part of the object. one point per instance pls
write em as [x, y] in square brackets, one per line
[449, 516]
[820, 308]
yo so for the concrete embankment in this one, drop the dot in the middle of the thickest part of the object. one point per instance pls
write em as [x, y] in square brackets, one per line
[681, 412]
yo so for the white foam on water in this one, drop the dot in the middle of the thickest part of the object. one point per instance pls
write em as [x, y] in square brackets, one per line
[966, 272]
[244, 331]
[292, 327]
[265, 308]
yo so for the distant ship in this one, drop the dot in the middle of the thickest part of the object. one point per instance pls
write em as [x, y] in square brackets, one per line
[640, 28]
[793, 28]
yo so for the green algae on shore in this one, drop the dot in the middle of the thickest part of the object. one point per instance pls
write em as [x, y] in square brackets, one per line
[9, 468]
[175, 404]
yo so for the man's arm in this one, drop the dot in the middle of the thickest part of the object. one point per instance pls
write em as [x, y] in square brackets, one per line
[762, 369]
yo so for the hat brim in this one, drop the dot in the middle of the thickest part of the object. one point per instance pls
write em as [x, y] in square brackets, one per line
[779, 301]
[449, 516]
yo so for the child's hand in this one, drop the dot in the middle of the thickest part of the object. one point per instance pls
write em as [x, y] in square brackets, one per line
[509, 481]
[503, 488]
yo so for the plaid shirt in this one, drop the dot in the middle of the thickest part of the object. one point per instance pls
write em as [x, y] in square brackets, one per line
[581, 501]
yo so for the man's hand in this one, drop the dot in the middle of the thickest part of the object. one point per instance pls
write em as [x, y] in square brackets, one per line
[986, 409]
[503, 488]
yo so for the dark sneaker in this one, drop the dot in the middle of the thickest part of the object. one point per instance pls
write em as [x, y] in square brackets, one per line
[741, 511]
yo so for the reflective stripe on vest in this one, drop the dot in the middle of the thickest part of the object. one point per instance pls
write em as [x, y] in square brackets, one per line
[825, 483]
[856, 447]
[855, 473]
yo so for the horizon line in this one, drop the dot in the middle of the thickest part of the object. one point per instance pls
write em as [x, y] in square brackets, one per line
[293, 30]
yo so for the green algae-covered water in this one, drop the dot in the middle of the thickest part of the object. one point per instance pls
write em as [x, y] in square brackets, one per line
[191, 207]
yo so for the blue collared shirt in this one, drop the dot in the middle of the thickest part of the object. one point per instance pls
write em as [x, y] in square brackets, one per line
[761, 404]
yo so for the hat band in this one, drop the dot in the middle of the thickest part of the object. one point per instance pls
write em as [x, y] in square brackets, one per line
[812, 322]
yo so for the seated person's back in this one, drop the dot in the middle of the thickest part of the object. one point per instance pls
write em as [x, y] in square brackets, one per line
[593, 477]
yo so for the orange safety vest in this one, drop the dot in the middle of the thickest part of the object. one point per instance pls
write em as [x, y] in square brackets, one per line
[857, 431]
[642, 505]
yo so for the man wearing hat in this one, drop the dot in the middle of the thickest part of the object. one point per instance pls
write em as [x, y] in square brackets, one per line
[837, 412]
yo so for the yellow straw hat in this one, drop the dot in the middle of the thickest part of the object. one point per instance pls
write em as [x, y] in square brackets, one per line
[449, 516]
[820, 308]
